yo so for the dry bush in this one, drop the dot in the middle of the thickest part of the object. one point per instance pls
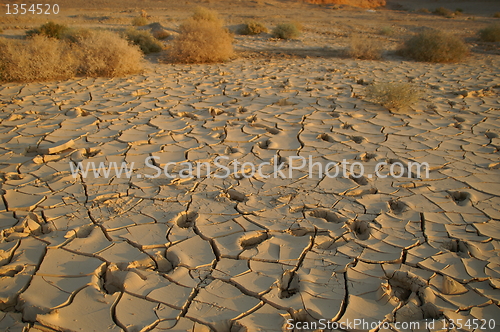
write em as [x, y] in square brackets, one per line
[105, 53]
[286, 31]
[386, 31]
[201, 41]
[140, 21]
[435, 46]
[491, 33]
[441, 11]
[144, 39]
[423, 11]
[161, 34]
[50, 29]
[36, 59]
[393, 96]
[253, 28]
[75, 34]
[364, 48]
[205, 14]
[496, 15]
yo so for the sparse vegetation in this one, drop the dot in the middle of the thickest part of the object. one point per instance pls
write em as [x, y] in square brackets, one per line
[140, 21]
[74, 35]
[50, 29]
[105, 53]
[202, 39]
[286, 31]
[35, 59]
[423, 11]
[253, 28]
[393, 96]
[491, 33]
[435, 46]
[496, 15]
[161, 34]
[144, 39]
[364, 48]
[441, 11]
[386, 31]
[85, 52]
[205, 14]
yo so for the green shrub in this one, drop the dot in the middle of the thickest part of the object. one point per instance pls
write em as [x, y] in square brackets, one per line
[140, 21]
[491, 33]
[50, 29]
[286, 31]
[104, 53]
[144, 39]
[364, 48]
[38, 58]
[201, 41]
[253, 28]
[393, 96]
[435, 46]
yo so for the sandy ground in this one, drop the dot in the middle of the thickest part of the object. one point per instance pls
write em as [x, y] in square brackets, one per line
[247, 251]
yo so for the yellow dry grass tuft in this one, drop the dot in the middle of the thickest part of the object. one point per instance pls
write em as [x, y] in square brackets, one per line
[104, 53]
[39, 58]
[491, 33]
[252, 28]
[435, 46]
[202, 39]
[140, 21]
[364, 48]
[287, 30]
[144, 39]
[393, 96]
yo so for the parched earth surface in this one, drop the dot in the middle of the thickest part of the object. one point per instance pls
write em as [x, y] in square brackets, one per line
[247, 251]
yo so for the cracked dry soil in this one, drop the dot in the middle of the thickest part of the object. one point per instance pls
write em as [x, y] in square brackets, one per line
[247, 253]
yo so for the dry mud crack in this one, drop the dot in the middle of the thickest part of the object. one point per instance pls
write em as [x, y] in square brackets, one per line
[242, 252]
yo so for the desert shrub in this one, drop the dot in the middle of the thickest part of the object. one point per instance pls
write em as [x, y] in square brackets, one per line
[435, 46]
[50, 29]
[36, 59]
[161, 34]
[104, 53]
[144, 39]
[491, 33]
[386, 31]
[497, 15]
[75, 34]
[253, 28]
[286, 31]
[393, 96]
[140, 21]
[201, 41]
[205, 14]
[364, 48]
[441, 11]
[423, 11]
